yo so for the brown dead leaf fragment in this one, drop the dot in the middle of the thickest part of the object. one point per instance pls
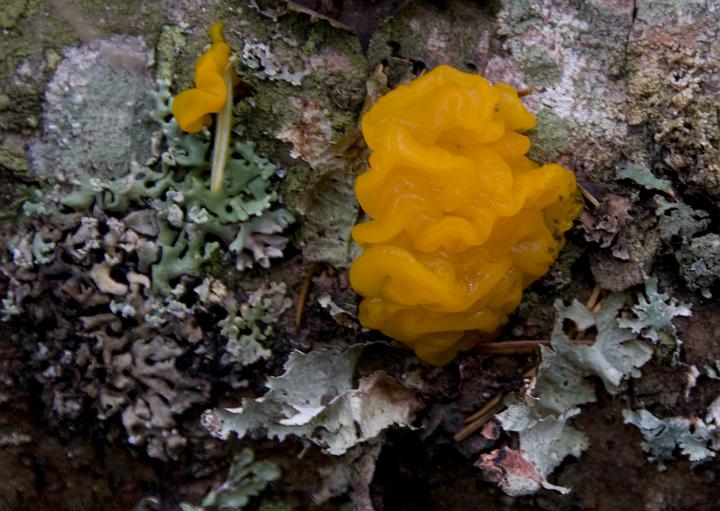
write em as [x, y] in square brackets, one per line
[361, 17]
[510, 470]
[604, 224]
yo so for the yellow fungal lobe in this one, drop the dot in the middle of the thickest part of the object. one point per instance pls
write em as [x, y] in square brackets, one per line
[461, 219]
[192, 107]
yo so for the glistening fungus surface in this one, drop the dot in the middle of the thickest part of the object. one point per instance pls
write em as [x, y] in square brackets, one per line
[461, 220]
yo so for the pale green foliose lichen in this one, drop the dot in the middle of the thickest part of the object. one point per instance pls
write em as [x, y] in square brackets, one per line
[177, 190]
[246, 480]
[644, 177]
[654, 313]
[118, 262]
[8, 309]
[258, 57]
[679, 219]
[316, 399]
[249, 324]
[560, 388]
[698, 439]
[699, 261]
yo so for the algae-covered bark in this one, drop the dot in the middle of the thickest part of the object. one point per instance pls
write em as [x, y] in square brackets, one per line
[133, 301]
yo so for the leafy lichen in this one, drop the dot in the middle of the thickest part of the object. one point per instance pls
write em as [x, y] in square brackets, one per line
[645, 178]
[250, 323]
[679, 219]
[246, 480]
[696, 438]
[561, 386]
[115, 262]
[315, 399]
[187, 212]
[654, 313]
[699, 261]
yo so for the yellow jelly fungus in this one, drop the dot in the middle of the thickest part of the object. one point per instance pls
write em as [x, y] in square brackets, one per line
[461, 220]
[213, 93]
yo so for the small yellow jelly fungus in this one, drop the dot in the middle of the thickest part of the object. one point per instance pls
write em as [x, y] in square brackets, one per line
[213, 93]
[462, 221]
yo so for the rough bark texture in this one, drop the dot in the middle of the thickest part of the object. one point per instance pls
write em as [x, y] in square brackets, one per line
[626, 95]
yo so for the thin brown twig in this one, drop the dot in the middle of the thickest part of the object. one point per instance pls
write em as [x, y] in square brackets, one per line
[525, 92]
[590, 305]
[519, 347]
[593, 300]
[478, 419]
[302, 297]
[589, 196]
[489, 405]
[482, 416]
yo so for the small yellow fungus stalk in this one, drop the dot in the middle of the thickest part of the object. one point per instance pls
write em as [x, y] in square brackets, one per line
[221, 144]
[213, 93]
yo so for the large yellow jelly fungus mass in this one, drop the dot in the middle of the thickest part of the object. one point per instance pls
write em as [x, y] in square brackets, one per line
[462, 221]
